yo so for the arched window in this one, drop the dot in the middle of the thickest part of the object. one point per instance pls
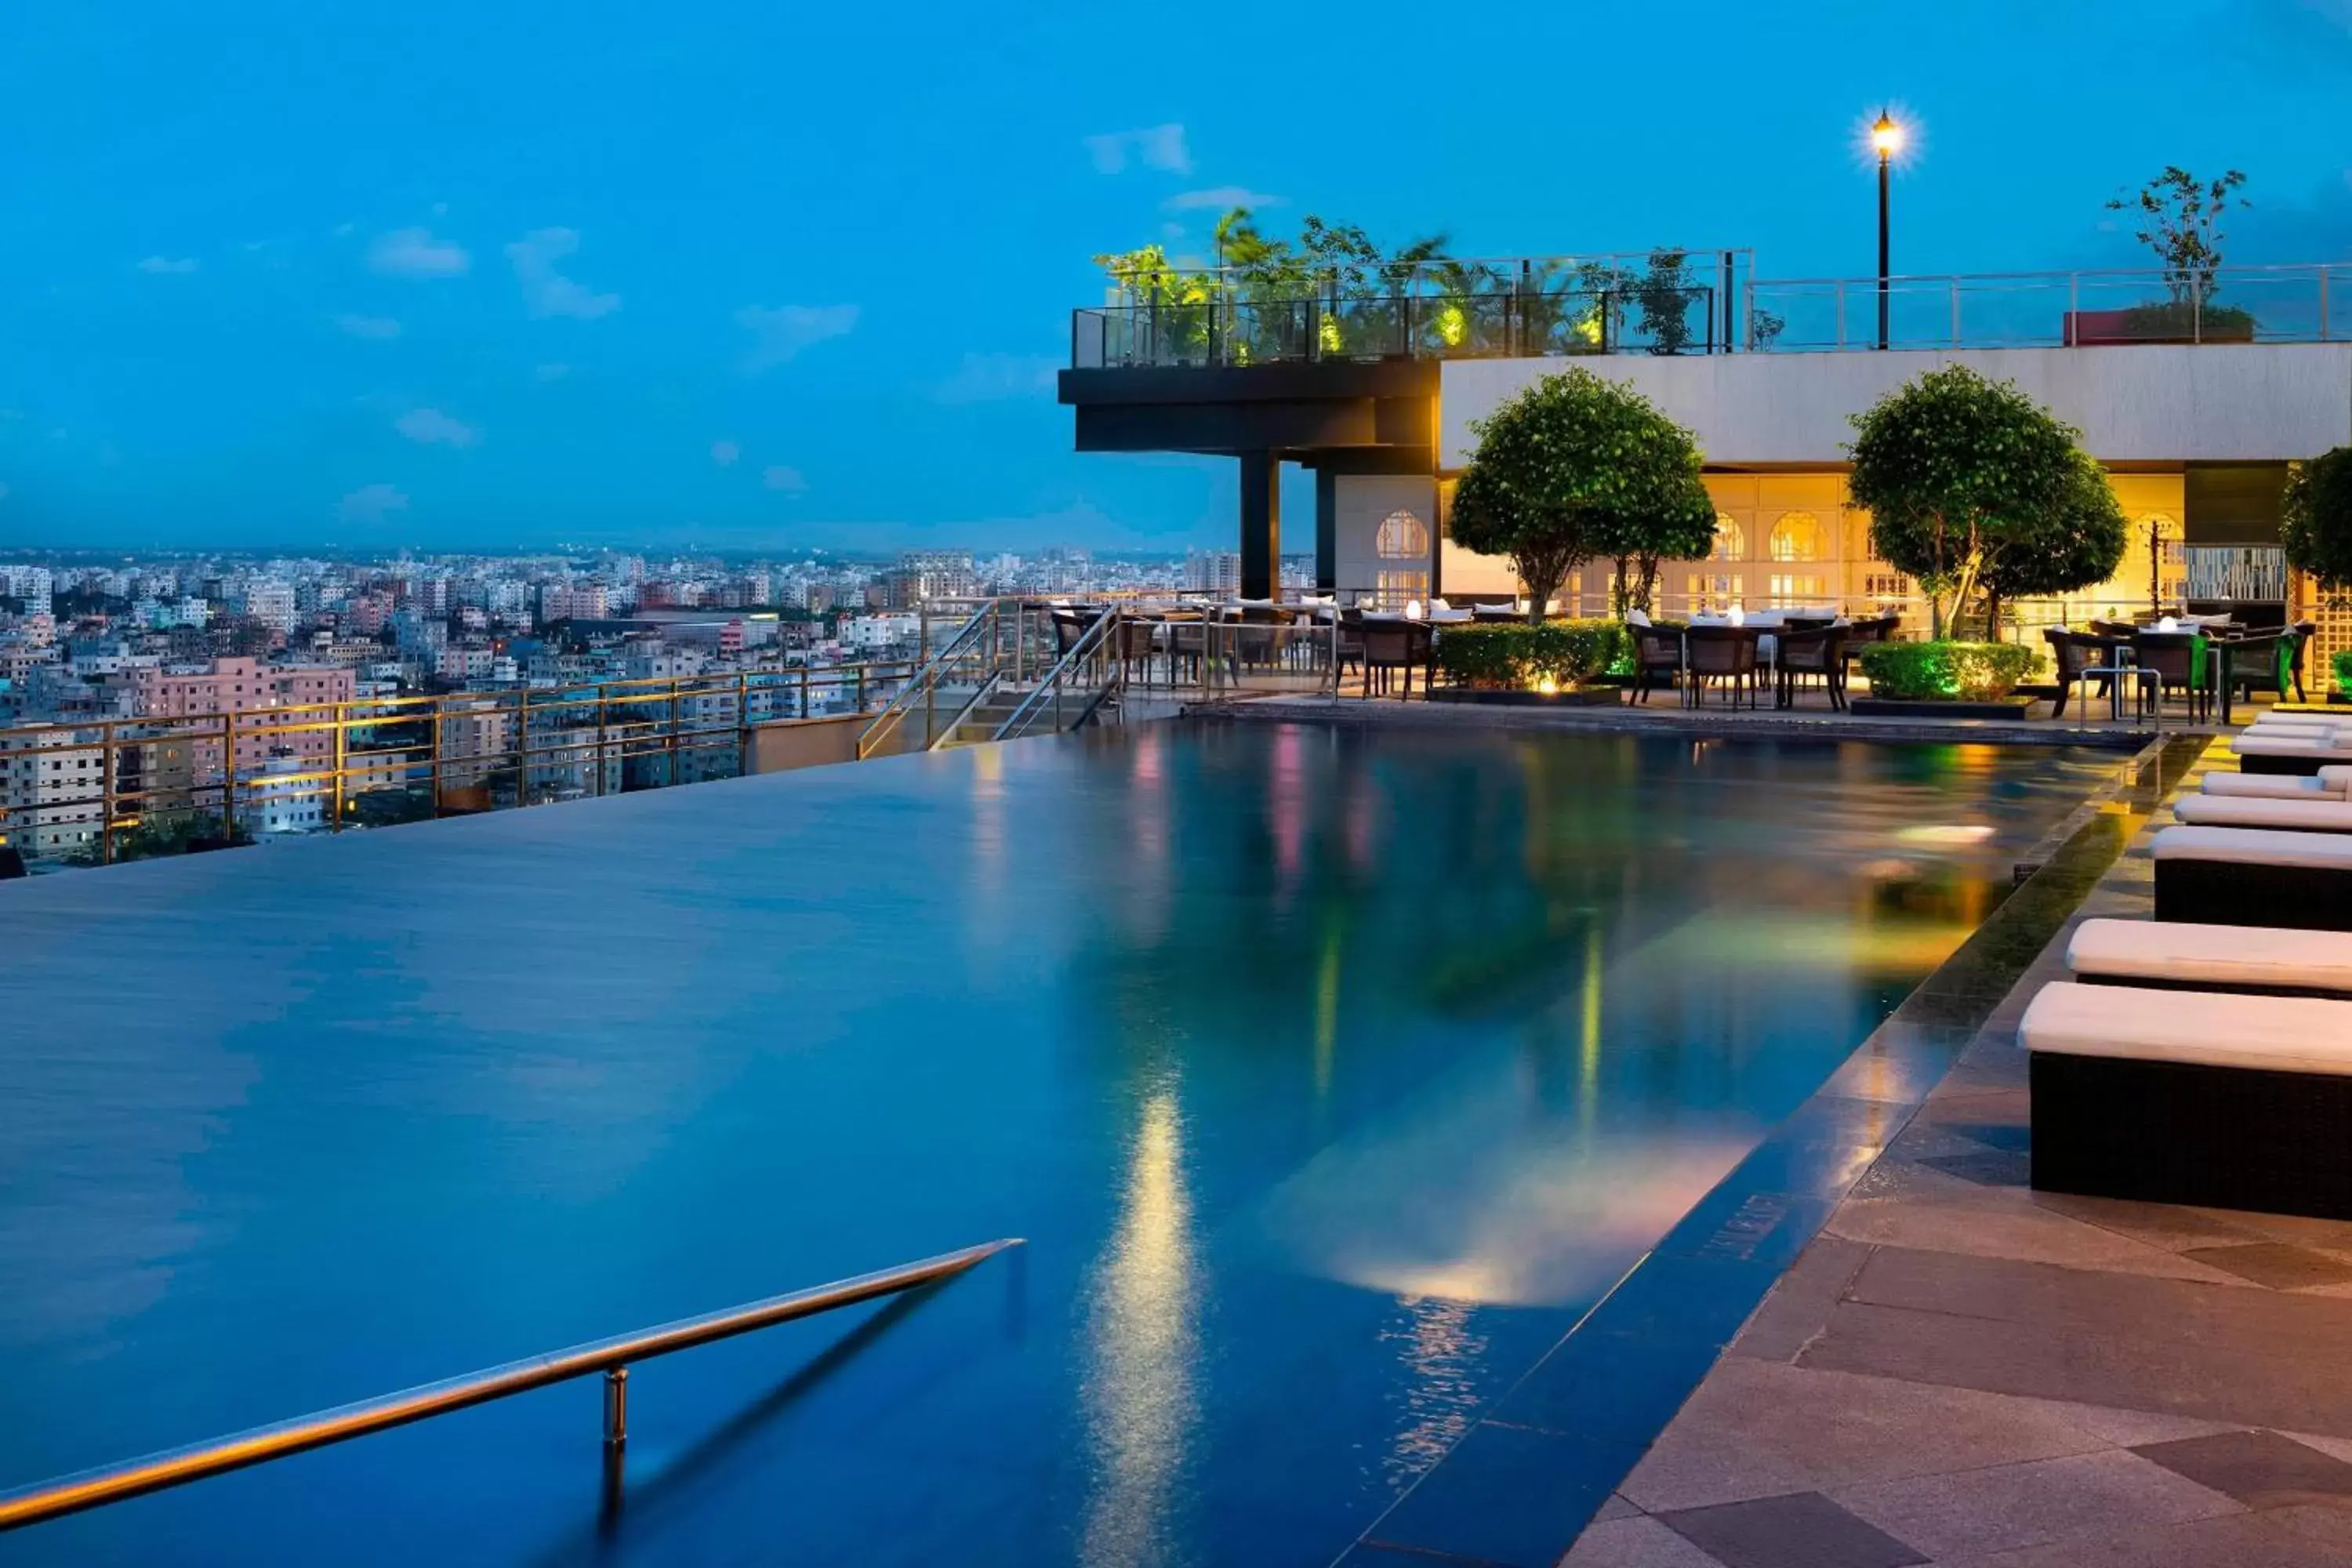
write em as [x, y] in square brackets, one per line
[1797, 537]
[1402, 537]
[1731, 539]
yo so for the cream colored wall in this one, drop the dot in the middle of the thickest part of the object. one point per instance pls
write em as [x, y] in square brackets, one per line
[1839, 569]
[1359, 501]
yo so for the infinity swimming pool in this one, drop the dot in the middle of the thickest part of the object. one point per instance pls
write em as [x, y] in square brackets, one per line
[1331, 1076]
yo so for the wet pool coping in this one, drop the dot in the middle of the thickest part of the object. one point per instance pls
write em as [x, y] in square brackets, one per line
[1518, 1487]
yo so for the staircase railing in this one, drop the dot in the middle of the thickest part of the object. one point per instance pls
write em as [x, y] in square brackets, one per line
[613, 1357]
[975, 653]
[1081, 680]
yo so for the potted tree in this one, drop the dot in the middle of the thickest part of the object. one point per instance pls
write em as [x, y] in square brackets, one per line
[2315, 527]
[1974, 489]
[1574, 468]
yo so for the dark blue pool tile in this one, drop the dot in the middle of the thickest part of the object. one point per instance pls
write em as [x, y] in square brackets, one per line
[1747, 1224]
[1363, 1556]
[1506, 1495]
[1617, 1388]
[1699, 1299]
[1899, 1065]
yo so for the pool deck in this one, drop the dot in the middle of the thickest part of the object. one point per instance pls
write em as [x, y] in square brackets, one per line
[1962, 1372]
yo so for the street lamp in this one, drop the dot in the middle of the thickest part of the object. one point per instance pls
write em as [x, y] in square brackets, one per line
[1885, 140]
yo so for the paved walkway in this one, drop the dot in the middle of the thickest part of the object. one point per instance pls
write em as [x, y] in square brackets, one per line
[1962, 1372]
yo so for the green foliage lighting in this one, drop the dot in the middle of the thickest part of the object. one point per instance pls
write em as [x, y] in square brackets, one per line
[1945, 671]
[2315, 521]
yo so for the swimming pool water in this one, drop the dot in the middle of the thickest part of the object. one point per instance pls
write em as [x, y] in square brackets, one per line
[1331, 1076]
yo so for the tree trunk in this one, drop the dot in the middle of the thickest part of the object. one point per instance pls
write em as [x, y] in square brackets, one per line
[1620, 588]
[1992, 615]
[1965, 588]
[1645, 595]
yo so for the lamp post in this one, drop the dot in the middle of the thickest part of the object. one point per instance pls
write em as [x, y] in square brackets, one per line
[1886, 139]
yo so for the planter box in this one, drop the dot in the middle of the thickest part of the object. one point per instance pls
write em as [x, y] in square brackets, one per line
[1890, 707]
[1575, 697]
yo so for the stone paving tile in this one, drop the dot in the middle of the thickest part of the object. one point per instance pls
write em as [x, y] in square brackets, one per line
[2227, 1541]
[2158, 1225]
[1920, 1209]
[2261, 1469]
[1804, 1530]
[2001, 1507]
[1756, 1429]
[2276, 1265]
[1615, 1507]
[1800, 1302]
[1635, 1542]
[2128, 1428]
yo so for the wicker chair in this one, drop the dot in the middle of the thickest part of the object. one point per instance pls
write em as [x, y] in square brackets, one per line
[1393, 646]
[1657, 651]
[2175, 657]
[1816, 653]
[1728, 655]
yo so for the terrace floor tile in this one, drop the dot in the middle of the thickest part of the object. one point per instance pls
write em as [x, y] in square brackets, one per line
[1802, 1530]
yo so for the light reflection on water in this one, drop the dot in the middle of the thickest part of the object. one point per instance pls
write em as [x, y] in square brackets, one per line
[1331, 1077]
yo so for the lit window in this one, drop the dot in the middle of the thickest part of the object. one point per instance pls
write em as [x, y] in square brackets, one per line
[1790, 591]
[1402, 537]
[1797, 537]
[1731, 539]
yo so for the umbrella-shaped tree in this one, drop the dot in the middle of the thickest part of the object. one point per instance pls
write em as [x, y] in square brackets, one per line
[1577, 466]
[2316, 519]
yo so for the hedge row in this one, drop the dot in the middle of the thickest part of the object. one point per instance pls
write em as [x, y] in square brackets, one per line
[1514, 657]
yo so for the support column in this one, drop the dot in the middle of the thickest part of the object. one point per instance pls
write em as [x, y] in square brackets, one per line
[1261, 524]
[1326, 531]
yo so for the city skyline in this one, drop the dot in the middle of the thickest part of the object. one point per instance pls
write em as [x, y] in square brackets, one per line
[806, 307]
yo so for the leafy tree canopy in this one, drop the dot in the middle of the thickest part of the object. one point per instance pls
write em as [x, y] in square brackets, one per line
[1959, 473]
[2315, 523]
[1577, 466]
[2080, 543]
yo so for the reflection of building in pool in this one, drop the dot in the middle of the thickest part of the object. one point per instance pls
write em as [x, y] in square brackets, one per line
[1142, 1348]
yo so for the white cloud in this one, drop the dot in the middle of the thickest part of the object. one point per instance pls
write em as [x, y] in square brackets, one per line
[1220, 198]
[162, 264]
[724, 453]
[414, 253]
[780, 332]
[777, 477]
[545, 291]
[430, 426]
[379, 328]
[370, 503]
[1155, 147]
[998, 378]
[555, 370]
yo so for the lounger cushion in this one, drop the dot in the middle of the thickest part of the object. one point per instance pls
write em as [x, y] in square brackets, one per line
[2336, 778]
[2272, 1034]
[2323, 720]
[2255, 846]
[2330, 816]
[2222, 958]
[2325, 749]
[2276, 786]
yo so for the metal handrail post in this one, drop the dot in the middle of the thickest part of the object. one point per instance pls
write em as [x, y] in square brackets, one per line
[228, 776]
[178, 1467]
[342, 759]
[1955, 312]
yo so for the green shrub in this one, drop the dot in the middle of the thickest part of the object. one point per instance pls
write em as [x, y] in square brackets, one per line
[1504, 655]
[2342, 665]
[1945, 671]
[2178, 321]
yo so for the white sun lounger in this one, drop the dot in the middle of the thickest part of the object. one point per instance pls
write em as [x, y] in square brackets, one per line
[2192, 1097]
[2255, 877]
[2273, 786]
[2295, 750]
[2319, 813]
[2178, 955]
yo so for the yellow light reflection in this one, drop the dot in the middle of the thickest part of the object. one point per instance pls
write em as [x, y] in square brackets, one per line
[1326, 1009]
[1442, 1354]
[1139, 1395]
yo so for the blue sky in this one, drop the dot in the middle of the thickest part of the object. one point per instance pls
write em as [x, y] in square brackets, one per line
[758, 276]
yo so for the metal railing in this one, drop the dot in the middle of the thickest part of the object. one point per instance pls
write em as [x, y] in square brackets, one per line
[1004, 639]
[2097, 309]
[1088, 675]
[1663, 319]
[613, 1357]
[325, 766]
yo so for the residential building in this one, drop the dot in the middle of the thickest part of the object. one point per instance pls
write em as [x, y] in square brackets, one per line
[53, 791]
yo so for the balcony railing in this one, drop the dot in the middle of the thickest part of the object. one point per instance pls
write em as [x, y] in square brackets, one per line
[2299, 304]
[133, 788]
[1550, 311]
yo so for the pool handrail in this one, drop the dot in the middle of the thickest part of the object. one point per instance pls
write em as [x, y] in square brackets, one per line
[177, 1466]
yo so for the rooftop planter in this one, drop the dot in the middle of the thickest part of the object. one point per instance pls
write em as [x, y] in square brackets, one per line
[1551, 663]
[1945, 680]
